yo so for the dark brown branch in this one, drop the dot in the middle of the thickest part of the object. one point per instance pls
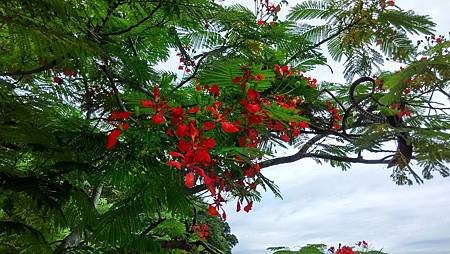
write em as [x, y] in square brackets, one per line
[152, 226]
[137, 24]
[444, 92]
[334, 98]
[27, 72]
[299, 156]
[113, 86]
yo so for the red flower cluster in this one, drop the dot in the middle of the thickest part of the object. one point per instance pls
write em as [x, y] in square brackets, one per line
[185, 64]
[362, 244]
[402, 111]
[345, 250]
[201, 230]
[192, 131]
[335, 113]
[117, 119]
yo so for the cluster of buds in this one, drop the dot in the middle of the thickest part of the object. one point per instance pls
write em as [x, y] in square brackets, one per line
[185, 63]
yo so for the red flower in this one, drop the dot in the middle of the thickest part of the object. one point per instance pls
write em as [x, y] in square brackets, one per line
[119, 115]
[209, 143]
[238, 206]
[193, 110]
[213, 211]
[178, 111]
[69, 73]
[112, 138]
[304, 125]
[57, 80]
[253, 108]
[183, 145]
[180, 67]
[248, 207]
[229, 127]
[189, 180]
[345, 250]
[208, 125]
[158, 118]
[333, 111]
[198, 88]
[284, 137]
[278, 126]
[261, 22]
[365, 244]
[236, 80]
[203, 156]
[407, 90]
[391, 3]
[146, 103]
[156, 93]
[182, 130]
[175, 154]
[174, 164]
[214, 90]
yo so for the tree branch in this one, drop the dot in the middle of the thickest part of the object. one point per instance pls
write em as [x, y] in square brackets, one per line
[27, 72]
[137, 24]
[299, 156]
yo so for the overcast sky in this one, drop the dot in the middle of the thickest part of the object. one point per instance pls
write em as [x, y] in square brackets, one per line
[325, 205]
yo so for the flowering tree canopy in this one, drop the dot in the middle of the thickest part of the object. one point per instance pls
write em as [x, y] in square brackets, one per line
[103, 151]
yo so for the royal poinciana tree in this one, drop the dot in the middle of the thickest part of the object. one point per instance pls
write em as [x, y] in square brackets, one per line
[101, 151]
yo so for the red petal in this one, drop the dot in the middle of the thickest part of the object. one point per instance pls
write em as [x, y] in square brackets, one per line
[183, 145]
[156, 92]
[284, 137]
[182, 130]
[158, 118]
[253, 108]
[213, 211]
[193, 110]
[112, 138]
[304, 125]
[203, 156]
[209, 143]
[278, 127]
[189, 180]
[146, 103]
[175, 154]
[125, 126]
[174, 164]
[120, 115]
[238, 206]
[236, 80]
[229, 127]
[178, 111]
[248, 207]
[57, 80]
[208, 125]
[214, 90]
